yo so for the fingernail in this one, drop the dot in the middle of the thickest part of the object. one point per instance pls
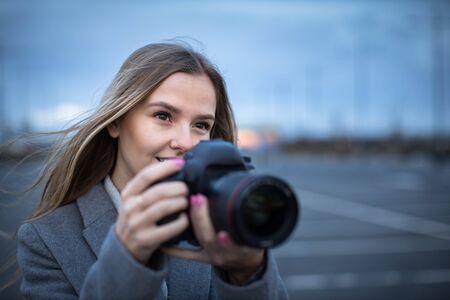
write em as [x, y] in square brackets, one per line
[178, 161]
[197, 200]
[223, 237]
[192, 199]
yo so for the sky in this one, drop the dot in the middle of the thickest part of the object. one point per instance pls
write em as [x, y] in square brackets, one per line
[301, 68]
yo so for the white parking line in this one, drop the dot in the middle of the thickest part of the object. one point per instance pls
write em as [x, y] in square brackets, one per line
[375, 215]
[367, 279]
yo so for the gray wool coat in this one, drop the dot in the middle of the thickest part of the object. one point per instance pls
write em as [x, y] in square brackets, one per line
[74, 253]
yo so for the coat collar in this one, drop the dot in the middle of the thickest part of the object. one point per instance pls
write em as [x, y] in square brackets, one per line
[98, 214]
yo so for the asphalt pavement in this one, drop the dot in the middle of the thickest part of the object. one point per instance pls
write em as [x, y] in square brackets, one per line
[371, 227]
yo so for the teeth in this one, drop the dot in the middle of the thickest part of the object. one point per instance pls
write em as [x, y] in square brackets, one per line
[165, 158]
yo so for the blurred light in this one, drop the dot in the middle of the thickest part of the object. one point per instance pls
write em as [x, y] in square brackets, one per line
[248, 139]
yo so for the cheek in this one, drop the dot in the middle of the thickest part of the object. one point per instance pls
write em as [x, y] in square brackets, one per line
[144, 140]
[136, 140]
[199, 139]
[203, 138]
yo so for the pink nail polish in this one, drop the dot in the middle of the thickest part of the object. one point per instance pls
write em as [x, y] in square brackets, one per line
[192, 199]
[197, 200]
[223, 237]
[178, 161]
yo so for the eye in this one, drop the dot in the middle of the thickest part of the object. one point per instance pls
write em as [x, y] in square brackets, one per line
[203, 125]
[162, 115]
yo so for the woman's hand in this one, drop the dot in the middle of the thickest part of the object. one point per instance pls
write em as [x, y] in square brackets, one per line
[240, 262]
[142, 207]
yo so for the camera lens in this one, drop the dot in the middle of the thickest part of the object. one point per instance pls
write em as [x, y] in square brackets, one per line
[264, 209]
[258, 210]
[267, 212]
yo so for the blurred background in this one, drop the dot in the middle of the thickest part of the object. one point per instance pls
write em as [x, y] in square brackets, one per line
[348, 100]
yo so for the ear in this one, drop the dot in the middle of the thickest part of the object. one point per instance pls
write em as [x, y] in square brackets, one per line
[113, 129]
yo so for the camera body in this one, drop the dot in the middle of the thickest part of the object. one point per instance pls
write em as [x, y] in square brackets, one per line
[239, 200]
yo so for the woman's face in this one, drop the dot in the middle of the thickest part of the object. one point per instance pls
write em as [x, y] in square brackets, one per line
[174, 118]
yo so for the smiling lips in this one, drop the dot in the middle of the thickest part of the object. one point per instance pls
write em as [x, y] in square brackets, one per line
[161, 159]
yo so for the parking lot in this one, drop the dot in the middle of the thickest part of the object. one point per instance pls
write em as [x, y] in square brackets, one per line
[370, 227]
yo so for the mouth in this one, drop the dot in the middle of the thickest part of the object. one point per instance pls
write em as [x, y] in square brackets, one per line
[161, 159]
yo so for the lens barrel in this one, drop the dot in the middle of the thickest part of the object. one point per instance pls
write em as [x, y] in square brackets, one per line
[258, 210]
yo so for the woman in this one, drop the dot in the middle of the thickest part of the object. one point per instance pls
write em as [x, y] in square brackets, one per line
[95, 232]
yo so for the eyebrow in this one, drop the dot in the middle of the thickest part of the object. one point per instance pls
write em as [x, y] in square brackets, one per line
[175, 110]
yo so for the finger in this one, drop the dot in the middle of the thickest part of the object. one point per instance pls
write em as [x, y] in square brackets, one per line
[227, 241]
[164, 190]
[159, 192]
[160, 234]
[149, 175]
[200, 256]
[224, 239]
[201, 221]
[159, 210]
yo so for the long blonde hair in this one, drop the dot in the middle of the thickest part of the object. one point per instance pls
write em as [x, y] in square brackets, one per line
[86, 153]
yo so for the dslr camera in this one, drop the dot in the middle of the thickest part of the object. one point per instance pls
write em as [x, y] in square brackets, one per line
[259, 211]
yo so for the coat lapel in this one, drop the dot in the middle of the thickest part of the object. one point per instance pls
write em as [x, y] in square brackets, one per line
[98, 214]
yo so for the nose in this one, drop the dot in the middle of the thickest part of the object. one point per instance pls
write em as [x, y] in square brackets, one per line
[182, 140]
